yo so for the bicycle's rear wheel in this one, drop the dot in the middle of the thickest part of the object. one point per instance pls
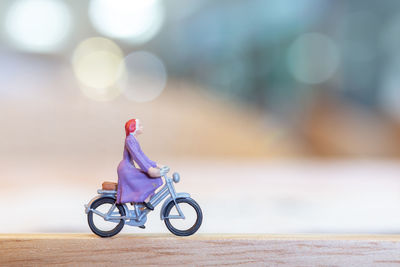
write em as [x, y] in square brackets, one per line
[98, 225]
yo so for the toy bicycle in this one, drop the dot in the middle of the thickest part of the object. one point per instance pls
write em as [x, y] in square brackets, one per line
[181, 214]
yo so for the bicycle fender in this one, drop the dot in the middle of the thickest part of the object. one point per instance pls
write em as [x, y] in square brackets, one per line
[178, 195]
[87, 206]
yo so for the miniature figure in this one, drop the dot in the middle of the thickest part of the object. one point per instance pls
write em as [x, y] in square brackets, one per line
[108, 212]
[136, 185]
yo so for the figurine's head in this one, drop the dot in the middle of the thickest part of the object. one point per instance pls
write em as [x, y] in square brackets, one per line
[133, 127]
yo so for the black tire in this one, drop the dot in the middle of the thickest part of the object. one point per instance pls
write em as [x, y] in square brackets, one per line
[193, 229]
[97, 203]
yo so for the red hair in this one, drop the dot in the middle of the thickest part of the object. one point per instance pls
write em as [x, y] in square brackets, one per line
[130, 126]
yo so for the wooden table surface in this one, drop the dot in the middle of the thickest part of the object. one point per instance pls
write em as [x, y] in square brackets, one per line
[154, 249]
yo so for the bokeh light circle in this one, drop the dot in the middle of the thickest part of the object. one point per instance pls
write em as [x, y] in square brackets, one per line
[313, 58]
[38, 25]
[134, 21]
[144, 77]
[98, 65]
[98, 69]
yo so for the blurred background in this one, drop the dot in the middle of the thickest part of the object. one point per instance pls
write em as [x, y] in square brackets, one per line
[281, 116]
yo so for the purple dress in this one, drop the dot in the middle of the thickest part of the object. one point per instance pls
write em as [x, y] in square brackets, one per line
[134, 185]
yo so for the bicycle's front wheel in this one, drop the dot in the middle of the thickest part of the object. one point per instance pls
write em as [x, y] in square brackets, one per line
[193, 217]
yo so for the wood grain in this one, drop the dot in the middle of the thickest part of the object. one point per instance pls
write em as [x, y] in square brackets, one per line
[199, 250]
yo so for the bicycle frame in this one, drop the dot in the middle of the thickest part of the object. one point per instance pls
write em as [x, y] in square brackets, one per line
[138, 215]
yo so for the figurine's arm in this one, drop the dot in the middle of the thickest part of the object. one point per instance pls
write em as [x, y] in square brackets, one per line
[137, 156]
[152, 163]
[140, 159]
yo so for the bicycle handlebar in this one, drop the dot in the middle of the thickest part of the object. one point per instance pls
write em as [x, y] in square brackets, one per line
[164, 170]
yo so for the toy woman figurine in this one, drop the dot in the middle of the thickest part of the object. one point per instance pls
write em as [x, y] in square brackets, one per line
[134, 184]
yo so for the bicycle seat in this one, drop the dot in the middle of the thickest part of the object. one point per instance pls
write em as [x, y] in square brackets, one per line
[109, 186]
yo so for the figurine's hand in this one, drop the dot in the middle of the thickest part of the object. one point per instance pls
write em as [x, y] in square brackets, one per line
[154, 172]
